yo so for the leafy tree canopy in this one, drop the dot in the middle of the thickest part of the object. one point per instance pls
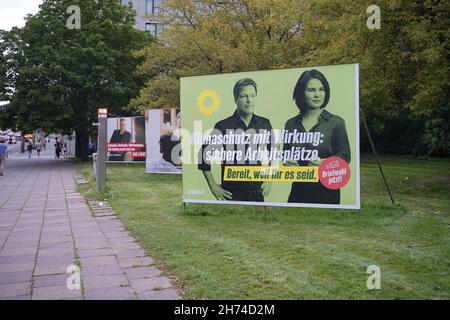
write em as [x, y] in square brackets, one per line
[60, 76]
[404, 65]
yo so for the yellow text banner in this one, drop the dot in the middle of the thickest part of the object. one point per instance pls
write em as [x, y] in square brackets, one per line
[267, 173]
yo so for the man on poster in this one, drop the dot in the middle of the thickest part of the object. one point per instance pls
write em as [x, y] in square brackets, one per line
[242, 122]
[122, 136]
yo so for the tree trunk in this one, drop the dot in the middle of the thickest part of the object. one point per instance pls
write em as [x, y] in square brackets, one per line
[22, 144]
[82, 145]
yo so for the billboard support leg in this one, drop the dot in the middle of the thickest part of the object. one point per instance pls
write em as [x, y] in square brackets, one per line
[376, 155]
[265, 211]
[184, 207]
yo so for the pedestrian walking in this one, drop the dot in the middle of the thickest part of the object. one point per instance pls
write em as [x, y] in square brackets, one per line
[3, 154]
[57, 149]
[29, 150]
[65, 150]
[39, 148]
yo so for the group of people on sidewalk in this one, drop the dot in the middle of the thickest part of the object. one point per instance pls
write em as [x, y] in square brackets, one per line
[41, 145]
[60, 147]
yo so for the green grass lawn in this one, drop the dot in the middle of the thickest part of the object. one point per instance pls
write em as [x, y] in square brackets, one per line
[239, 252]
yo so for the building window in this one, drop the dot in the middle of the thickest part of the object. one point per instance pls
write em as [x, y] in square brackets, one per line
[124, 2]
[153, 7]
[153, 28]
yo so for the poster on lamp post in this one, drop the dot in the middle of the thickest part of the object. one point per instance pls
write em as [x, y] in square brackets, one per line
[126, 139]
[163, 141]
[273, 138]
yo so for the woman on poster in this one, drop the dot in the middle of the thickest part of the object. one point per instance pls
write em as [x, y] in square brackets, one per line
[311, 95]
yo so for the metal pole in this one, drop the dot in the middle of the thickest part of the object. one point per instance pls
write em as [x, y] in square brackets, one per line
[101, 157]
[376, 156]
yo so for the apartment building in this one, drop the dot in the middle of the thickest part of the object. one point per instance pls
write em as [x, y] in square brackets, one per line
[147, 15]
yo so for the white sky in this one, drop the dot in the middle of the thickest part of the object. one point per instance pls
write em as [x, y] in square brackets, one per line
[12, 12]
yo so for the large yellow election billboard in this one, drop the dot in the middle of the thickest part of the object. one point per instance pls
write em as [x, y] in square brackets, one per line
[274, 138]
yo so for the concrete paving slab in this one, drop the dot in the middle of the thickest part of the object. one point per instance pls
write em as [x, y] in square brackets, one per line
[166, 294]
[142, 272]
[114, 293]
[106, 281]
[18, 258]
[52, 260]
[95, 252]
[136, 262]
[98, 261]
[44, 270]
[15, 289]
[13, 267]
[14, 277]
[55, 293]
[25, 297]
[147, 284]
[50, 280]
[101, 270]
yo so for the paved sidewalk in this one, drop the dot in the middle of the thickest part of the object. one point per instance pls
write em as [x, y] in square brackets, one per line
[46, 227]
